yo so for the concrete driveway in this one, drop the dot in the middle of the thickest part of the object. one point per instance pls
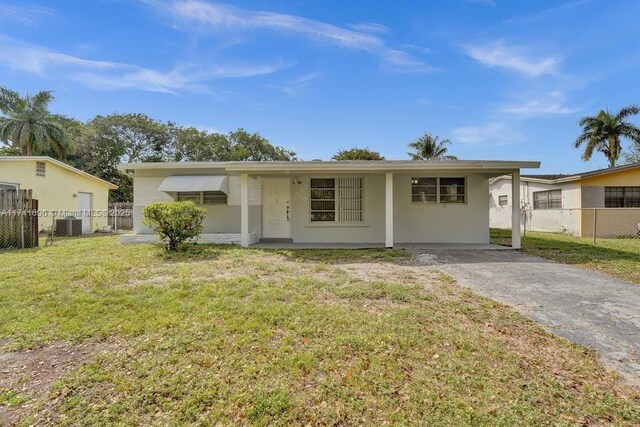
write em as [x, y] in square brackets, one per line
[584, 306]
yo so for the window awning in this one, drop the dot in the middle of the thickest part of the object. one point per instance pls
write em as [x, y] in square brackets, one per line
[182, 183]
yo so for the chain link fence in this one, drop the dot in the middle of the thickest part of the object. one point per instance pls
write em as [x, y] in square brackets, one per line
[18, 230]
[609, 223]
[18, 219]
[584, 222]
[23, 225]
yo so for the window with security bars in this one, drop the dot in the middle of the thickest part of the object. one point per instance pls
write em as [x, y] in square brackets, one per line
[438, 190]
[551, 199]
[202, 197]
[452, 190]
[336, 200]
[622, 197]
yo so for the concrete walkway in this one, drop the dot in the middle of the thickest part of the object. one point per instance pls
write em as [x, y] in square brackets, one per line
[582, 305]
[408, 246]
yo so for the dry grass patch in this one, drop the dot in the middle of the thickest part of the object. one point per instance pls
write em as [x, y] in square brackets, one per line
[223, 335]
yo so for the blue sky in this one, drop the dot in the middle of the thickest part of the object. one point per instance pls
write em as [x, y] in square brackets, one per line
[501, 79]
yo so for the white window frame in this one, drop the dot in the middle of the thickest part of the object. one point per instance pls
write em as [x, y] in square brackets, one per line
[547, 193]
[438, 200]
[200, 201]
[337, 198]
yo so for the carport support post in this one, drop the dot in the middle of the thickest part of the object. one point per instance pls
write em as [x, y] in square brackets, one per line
[515, 212]
[244, 210]
[388, 209]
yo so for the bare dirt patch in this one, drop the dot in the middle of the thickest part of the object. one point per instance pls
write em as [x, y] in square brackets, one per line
[29, 374]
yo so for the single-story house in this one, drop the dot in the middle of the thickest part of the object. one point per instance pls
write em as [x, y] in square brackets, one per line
[60, 189]
[569, 203]
[367, 202]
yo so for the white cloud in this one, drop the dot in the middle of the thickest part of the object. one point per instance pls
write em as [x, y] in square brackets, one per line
[207, 128]
[297, 85]
[25, 15]
[484, 2]
[515, 58]
[549, 13]
[424, 101]
[553, 103]
[371, 27]
[217, 17]
[497, 133]
[107, 75]
[419, 49]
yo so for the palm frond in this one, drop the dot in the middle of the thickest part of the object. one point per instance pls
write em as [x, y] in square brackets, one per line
[630, 110]
[10, 101]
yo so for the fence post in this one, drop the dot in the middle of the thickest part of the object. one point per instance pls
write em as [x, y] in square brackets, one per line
[22, 228]
[595, 229]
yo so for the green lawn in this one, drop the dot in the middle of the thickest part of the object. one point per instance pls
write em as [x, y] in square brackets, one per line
[617, 257]
[224, 335]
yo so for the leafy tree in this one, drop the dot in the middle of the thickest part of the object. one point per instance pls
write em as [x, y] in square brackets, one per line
[9, 150]
[245, 146]
[356, 153]
[429, 147]
[29, 126]
[603, 132]
[194, 145]
[632, 156]
[137, 137]
[174, 221]
[106, 141]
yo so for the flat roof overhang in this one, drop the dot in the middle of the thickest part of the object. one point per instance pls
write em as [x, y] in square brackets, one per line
[365, 166]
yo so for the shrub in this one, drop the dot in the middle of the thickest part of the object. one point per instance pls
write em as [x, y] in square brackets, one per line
[174, 221]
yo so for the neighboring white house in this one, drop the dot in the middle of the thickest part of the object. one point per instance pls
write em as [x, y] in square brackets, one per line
[567, 203]
[369, 202]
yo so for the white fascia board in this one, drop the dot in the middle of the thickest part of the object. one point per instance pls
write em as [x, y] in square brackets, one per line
[373, 166]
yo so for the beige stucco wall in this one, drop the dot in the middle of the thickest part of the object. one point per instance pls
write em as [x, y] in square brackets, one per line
[55, 191]
[220, 218]
[442, 223]
[371, 230]
[413, 223]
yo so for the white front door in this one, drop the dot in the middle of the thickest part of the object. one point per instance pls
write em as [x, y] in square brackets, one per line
[276, 197]
[84, 211]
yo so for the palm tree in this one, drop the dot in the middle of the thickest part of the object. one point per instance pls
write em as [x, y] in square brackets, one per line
[29, 126]
[429, 147]
[603, 131]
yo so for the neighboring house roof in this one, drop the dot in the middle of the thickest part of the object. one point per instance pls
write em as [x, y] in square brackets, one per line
[340, 165]
[63, 165]
[546, 177]
[562, 178]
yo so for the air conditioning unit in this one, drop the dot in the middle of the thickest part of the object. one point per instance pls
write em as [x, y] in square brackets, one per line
[68, 227]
